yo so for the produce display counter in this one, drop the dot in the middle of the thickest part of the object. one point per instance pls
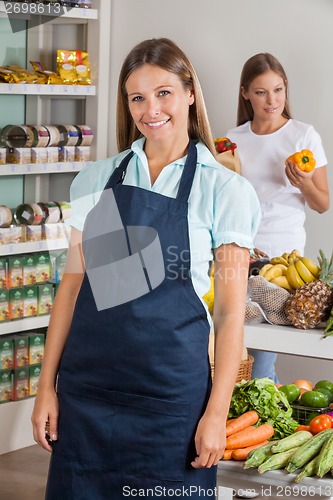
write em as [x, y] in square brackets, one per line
[288, 340]
[278, 484]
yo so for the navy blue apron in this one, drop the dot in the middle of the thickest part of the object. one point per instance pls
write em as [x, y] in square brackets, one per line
[134, 378]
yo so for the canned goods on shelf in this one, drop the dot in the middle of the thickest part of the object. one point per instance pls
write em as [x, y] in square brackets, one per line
[53, 212]
[28, 214]
[17, 136]
[41, 136]
[86, 135]
[6, 216]
[73, 135]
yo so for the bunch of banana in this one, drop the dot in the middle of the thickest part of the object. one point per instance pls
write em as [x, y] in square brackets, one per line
[275, 272]
[290, 270]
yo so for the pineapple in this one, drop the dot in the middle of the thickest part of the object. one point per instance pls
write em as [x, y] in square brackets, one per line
[311, 303]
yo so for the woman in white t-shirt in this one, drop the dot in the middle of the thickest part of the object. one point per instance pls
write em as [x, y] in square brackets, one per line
[266, 135]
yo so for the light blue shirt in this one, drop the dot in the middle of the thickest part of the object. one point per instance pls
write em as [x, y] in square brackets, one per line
[223, 206]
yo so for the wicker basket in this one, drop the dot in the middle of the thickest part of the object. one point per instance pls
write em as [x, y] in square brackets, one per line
[244, 372]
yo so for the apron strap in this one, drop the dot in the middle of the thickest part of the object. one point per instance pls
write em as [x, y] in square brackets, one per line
[186, 179]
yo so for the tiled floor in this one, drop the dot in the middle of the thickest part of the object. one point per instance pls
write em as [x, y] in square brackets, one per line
[23, 474]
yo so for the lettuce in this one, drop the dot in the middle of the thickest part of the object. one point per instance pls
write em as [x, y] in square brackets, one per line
[261, 395]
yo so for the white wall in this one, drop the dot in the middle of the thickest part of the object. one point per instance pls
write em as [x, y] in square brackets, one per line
[218, 36]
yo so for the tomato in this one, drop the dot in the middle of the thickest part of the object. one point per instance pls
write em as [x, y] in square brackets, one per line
[291, 391]
[320, 423]
[314, 399]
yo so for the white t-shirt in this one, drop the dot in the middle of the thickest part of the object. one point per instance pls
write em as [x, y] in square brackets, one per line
[223, 206]
[262, 160]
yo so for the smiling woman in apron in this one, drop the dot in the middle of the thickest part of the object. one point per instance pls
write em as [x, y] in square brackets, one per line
[126, 384]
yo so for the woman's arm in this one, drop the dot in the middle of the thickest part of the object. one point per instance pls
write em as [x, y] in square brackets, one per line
[231, 264]
[313, 185]
[46, 403]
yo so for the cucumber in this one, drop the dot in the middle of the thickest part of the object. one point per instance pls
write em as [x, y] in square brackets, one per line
[292, 441]
[308, 450]
[257, 456]
[325, 460]
[309, 470]
[276, 461]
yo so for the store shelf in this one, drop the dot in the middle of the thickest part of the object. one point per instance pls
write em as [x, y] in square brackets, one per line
[42, 168]
[289, 340]
[16, 429]
[33, 246]
[45, 10]
[25, 324]
[47, 90]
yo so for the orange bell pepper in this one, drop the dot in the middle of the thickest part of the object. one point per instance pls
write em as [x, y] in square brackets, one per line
[304, 160]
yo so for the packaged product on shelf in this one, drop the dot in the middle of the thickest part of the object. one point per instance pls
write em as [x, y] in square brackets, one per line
[41, 136]
[4, 305]
[15, 271]
[3, 156]
[36, 348]
[82, 153]
[29, 214]
[6, 386]
[17, 137]
[3, 273]
[50, 77]
[45, 298]
[33, 233]
[39, 155]
[20, 156]
[74, 66]
[86, 135]
[6, 352]
[21, 350]
[26, 76]
[21, 383]
[6, 216]
[51, 231]
[66, 153]
[52, 154]
[30, 301]
[12, 234]
[29, 269]
[65, 208]
[58, 262]
[73, 135]
[42, 267]
[53, 212]
[34, 372]
[16, 303]
[55, 137]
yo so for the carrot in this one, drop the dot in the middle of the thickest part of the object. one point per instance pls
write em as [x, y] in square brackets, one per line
[249, 436]
[227, 454]
[303, 428]
[242, 453]
[248, 418]
[228, 422]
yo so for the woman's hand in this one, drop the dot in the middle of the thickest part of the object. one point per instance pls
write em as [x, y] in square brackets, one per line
[45, 413]
[209, 441]
[296, 177]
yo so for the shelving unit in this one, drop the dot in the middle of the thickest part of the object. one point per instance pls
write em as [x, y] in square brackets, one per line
[78, 28]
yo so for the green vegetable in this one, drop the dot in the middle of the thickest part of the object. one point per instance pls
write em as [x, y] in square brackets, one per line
[276, 461]
[314, 399]
[309, 470]
[257, 456]
[272, 406]
[292, 392]
[325, 459]
[327, 393]
[308, 450]
[327, 384]
[292, 441]
[329, 325]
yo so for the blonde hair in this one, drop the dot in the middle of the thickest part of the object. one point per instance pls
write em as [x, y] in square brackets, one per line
[255, 66]
[167, 55]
